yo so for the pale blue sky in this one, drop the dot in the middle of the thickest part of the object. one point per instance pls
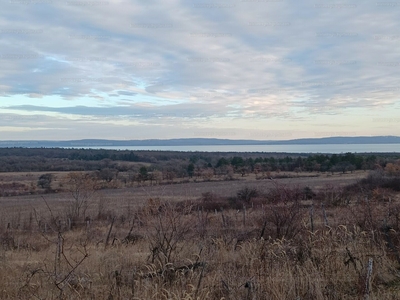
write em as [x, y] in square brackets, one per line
[118, 69]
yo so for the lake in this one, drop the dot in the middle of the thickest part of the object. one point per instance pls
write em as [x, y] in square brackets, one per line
[320, 148]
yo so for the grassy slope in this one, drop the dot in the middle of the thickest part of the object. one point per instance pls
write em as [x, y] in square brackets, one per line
[178, 253]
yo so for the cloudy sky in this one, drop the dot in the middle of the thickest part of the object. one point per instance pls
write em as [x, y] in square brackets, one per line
[256, 69]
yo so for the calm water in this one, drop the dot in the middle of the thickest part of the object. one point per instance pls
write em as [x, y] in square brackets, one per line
[333, 148]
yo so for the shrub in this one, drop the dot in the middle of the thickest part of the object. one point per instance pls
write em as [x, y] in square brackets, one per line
[283, 221]
[246, 194]
[45, 181]
[283, 194]
[208, 197]
[211, 202]
[379, 179]
[308, 193]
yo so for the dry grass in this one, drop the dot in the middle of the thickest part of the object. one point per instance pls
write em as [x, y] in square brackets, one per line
[26, 183]
[165, 248]
[173, 192]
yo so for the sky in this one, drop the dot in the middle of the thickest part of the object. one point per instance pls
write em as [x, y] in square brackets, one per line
[239, 69]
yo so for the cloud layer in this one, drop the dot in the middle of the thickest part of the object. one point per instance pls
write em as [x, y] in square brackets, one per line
[265, 69]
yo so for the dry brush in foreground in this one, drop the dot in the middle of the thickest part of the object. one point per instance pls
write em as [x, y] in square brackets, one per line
[269, 248]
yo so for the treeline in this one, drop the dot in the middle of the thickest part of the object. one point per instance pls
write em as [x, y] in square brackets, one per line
[317, 163]
[183, 163]
[126, 155]
[73, 154]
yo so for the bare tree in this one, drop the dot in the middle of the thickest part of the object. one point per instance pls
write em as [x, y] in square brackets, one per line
[167, 237]
[81, 186]
[207, 174]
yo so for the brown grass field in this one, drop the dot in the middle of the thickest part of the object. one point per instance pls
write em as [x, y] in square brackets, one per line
[138, 194]
[200, 240]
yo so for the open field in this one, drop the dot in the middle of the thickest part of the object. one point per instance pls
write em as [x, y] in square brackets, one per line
[290, 235]
[117, 200]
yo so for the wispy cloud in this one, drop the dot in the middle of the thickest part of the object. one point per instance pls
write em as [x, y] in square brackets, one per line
[228, 64]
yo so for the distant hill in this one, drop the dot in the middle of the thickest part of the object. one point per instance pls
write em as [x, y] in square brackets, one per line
[200, 141]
